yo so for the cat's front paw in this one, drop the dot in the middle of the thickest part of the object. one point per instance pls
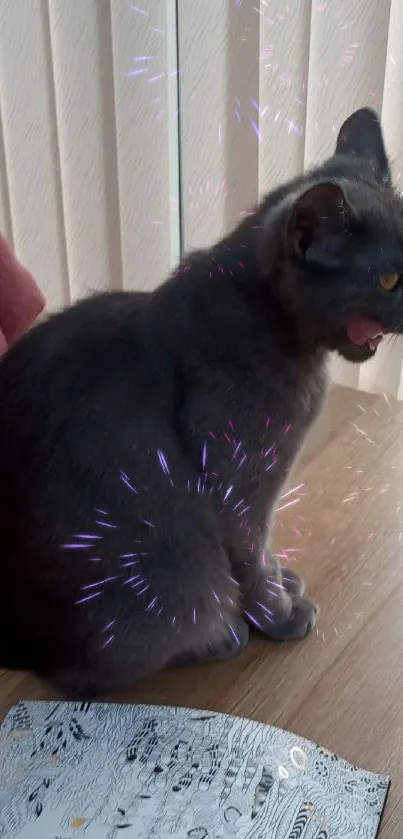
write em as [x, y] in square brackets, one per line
[300, 622]
[295, 624]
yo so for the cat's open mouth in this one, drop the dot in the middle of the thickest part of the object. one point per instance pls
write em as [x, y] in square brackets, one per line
[365, 331]
[364, 335]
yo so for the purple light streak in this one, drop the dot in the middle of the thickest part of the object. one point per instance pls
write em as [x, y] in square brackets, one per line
[138, 72]
[236, 450]
[291, 491]
[130, 580]
[163, 461]
[127, 482]
[140, 583]
[152, 604]
[257, 130]
[106, 524]
[234, 635]
[228, 493]
[289, 504]
[99, 583]
[268, 612]
[76, 546]
[242, 461]
[253, 620]
[88, 597]
[294, 128]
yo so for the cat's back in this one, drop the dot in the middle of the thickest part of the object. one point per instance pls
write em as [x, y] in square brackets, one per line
[99, 341]
[84, 327]
[71, 390]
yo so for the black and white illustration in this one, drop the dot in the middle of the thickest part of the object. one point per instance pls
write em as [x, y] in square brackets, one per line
[103, 771]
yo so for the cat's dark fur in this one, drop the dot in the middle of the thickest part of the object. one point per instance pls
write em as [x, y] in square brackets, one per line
[167, 423]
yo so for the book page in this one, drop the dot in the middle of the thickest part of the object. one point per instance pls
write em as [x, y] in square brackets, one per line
[104, 771]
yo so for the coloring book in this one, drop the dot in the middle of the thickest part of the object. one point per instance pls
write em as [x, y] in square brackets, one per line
[103, 771]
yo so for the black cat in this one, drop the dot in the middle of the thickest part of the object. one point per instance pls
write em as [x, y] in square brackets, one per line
[145, 438]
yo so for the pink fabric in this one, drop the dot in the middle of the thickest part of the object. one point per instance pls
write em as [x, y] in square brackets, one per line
[20, 298]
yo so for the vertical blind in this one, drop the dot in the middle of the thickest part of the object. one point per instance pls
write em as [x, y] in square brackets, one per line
[130, 128]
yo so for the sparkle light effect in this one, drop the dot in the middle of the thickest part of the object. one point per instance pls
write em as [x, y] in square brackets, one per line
[131, 571]
[282, 116]
[145, 71]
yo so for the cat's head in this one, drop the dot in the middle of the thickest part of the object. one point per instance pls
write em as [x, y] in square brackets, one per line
[338, 234]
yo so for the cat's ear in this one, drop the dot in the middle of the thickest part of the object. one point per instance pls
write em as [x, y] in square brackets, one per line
[361, 136]
[317, 226]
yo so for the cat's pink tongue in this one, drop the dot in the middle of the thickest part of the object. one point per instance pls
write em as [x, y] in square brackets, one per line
[362, 330]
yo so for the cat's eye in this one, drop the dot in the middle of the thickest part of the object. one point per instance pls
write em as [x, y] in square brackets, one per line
[389, 281]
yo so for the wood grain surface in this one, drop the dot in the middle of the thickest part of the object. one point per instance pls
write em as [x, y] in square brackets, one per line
[343, 685]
